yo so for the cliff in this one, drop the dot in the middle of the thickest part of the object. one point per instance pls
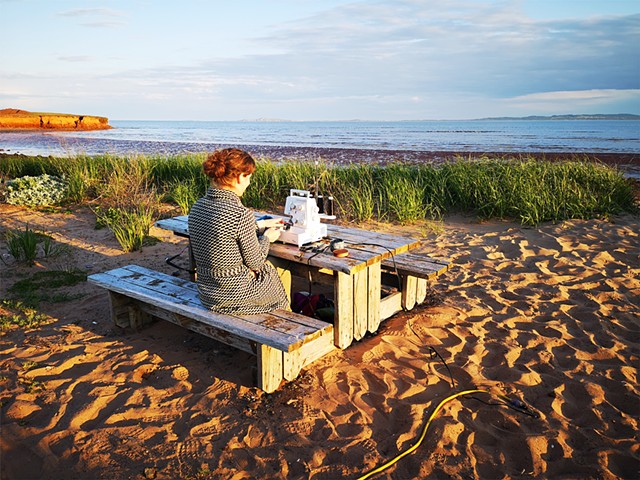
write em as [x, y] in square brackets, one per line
[14, 119]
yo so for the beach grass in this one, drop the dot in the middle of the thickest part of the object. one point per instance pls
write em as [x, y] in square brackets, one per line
[529, 191]
[20, 314]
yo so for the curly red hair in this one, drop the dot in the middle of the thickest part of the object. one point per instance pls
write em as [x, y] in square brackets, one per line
[222, 166]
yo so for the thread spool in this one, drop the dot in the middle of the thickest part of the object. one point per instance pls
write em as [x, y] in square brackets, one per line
[337, 244]
[320, 203]
[329, 209]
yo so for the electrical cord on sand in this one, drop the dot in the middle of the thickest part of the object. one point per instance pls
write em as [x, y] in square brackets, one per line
[513, 403]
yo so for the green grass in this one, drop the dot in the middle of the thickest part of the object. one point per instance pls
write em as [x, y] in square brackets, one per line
[42, 286]
[26, 245]
[20, 315]
[23, 244]
[130, 225]
[526, 190]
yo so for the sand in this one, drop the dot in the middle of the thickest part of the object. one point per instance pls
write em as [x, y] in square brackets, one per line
[548, 315]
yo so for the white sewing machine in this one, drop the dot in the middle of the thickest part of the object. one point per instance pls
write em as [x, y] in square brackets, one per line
[304, 226]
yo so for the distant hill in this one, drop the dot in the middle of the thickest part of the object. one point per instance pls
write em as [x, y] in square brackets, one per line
[585, 116]
[266, 120]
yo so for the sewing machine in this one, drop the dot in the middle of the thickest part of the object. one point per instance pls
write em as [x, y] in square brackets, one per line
[304, 225]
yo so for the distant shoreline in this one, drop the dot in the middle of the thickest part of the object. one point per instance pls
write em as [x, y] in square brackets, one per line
[593, 116]
[616, 116]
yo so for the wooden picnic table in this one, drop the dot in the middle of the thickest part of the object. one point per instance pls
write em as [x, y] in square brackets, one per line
[356, 279]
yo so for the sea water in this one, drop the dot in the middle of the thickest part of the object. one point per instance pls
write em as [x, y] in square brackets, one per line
[175, 137]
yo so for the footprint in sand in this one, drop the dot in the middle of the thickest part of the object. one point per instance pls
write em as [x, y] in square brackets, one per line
[329, 472]
[180, 373]
[189, 456]
[222, 390]
[299, 427]
[143, 372]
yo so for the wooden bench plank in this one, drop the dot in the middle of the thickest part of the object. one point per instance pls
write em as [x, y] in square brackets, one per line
[180, 296]
[308, 353]
[283, 342]
[178, 225]
[191, 291]
[158, 281]
[415, 265]
[358, 237]
[236, 341]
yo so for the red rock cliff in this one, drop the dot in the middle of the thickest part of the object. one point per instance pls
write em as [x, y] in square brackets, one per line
[14, 119]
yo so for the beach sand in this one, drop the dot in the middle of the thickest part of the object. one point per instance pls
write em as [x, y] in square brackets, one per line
[548, 315]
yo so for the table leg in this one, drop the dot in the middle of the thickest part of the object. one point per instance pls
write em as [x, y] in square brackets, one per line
[409, 287]
[343, 317]
[269, 368]
[282, 267]
[374, 273]
[360, 304]
[421, 292]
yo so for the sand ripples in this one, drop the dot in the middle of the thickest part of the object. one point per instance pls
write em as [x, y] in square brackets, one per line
[548, 315]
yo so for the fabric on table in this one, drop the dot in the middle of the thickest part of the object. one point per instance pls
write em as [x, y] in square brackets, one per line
[231, 259]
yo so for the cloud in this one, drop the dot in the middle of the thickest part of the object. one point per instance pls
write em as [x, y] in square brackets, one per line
[75, 58]
[577, 100]
[384, 59]
[81, 12]
[415, 60]
[452, 46]
[586, 95]
[103, 17]
[103, 24]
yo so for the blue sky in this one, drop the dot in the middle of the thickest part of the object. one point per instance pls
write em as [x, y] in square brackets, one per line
[320, 60]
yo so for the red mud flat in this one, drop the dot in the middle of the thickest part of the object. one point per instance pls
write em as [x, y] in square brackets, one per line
[356, 155]
[627, 162]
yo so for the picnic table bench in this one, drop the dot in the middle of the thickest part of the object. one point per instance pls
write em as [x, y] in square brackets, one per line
[283, 342]
[357, 280]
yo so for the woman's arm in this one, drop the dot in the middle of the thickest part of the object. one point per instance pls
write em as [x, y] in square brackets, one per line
[254, 249]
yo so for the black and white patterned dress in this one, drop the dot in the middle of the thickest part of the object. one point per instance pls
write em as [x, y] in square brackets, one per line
[231, 259]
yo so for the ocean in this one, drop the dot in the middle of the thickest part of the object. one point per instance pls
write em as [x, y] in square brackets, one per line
[292, 138]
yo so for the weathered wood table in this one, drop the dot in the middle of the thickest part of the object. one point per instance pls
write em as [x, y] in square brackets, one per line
[357, 282]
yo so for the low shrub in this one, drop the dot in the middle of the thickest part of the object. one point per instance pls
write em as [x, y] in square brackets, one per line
[43, 190]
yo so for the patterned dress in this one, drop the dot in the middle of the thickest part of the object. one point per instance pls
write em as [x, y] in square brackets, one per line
[231, 259]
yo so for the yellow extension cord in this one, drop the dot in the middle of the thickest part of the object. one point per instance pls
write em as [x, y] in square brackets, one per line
[424, 432]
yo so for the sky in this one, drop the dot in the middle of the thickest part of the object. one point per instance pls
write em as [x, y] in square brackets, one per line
[320, 60]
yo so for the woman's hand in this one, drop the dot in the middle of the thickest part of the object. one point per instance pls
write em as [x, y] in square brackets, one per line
[272, 233]
[270, 222]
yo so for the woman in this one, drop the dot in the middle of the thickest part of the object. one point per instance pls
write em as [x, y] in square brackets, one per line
[230, 254]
